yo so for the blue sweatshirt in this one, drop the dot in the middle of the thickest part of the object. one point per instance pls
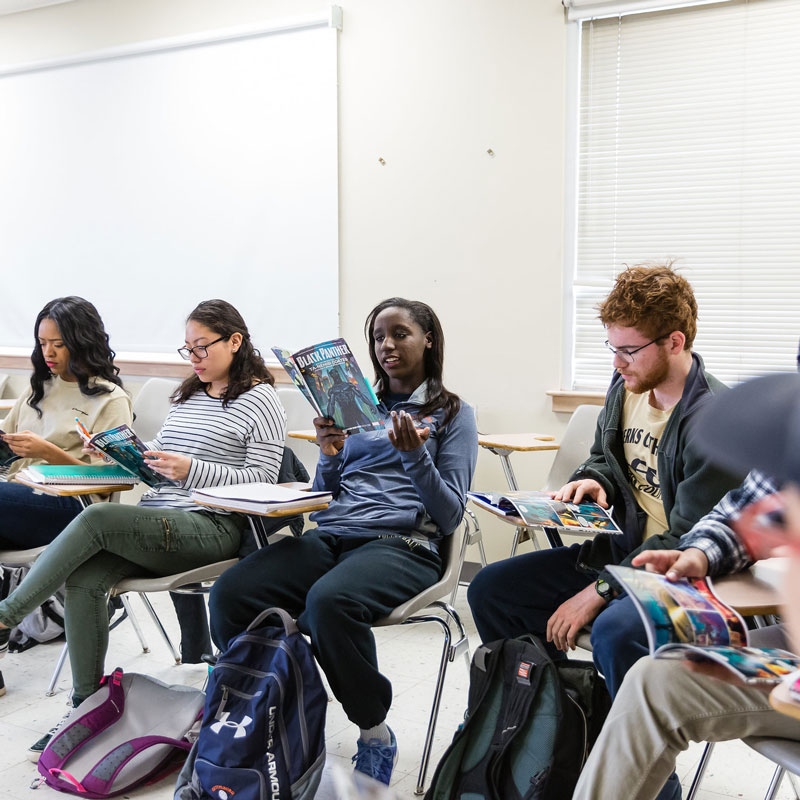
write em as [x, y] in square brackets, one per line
[378, 490]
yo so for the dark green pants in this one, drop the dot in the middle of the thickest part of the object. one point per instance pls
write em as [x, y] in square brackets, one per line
[337, 588]
[102, 545]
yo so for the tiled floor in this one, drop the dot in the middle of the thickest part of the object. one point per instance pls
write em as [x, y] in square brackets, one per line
[409, 656]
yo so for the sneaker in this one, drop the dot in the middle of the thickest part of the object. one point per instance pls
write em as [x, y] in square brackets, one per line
[36, 749]
[376, 759]
[2, 685]
[5, 635]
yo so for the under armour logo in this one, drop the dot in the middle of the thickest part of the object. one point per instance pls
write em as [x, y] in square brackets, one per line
[224, 722]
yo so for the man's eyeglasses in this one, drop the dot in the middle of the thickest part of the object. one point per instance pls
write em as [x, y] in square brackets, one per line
[200, 350]
[626, 354]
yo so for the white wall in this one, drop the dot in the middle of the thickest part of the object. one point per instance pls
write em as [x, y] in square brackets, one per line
[429, 86]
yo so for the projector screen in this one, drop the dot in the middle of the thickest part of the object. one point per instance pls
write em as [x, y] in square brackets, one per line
[149, 179]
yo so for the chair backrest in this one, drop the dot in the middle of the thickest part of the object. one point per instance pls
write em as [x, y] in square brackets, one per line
[299, 416]
[575, 445]
[3, 382]
[151, 406]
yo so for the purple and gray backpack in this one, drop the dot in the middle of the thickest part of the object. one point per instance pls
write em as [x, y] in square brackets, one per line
[126, 734]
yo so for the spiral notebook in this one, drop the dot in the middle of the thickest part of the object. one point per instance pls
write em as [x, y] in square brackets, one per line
[77, 476]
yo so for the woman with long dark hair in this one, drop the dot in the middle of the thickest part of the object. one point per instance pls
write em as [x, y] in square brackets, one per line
[396, 493]
[227, 426]
[73, 377]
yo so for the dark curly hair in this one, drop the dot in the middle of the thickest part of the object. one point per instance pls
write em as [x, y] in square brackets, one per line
[654, 299]
[247, 367]
[425, 317]
[90, 355]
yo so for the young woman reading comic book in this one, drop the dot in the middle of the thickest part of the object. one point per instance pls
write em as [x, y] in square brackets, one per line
[226, 426]
[396, 492]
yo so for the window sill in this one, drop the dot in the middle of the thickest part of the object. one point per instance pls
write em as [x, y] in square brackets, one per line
[567, 402]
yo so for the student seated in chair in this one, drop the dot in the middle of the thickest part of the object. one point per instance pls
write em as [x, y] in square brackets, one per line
[396, 493]
[73, 377]
[664, 705]
[226, 426]
[643, 462]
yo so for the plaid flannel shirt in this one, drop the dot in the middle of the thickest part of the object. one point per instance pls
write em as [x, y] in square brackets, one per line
[712, 533]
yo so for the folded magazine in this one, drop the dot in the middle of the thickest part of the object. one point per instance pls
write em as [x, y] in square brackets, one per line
[539, 509]
[684, 619]
[125, 448]
[330, 379]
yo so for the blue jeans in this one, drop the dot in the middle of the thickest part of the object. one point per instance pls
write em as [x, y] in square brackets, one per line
[102, 545]
[30, 520]
[619, 640]
[517, 596]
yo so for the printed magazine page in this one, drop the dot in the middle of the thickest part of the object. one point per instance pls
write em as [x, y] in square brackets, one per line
[338, 386]
[685, 620]
[538, 508]
[287, 362]
[681, 612]
[125, 448]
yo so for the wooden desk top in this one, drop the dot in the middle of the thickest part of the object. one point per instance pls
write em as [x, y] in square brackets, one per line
[74, 490]
[522, 442]
[518, 442]
[747, 594]
[7, 403]
[780, 700]
[306, 436]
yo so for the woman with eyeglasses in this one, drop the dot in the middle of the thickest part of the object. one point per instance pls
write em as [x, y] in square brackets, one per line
[73, 377]
[226, 426]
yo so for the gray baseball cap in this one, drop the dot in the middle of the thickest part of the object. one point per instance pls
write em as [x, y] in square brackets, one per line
[755, 425]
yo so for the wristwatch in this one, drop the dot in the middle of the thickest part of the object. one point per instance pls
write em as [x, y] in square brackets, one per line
[604, 589]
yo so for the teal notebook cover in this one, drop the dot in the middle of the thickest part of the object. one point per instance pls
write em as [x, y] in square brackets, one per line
[51, 473]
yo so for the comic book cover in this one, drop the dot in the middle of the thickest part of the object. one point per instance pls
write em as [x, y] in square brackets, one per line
[338, 389]
[684, 619]
[539, 509]
[287, 362]
[125, 448]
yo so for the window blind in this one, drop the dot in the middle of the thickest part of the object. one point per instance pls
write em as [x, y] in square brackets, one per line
[689, 149]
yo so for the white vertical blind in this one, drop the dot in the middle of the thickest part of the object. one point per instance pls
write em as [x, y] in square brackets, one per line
[690, 149]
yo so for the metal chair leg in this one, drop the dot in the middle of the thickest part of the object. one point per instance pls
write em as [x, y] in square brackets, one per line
[775, 783]
[51, 689]
[160, 627]
[449, 653]
[126, 603]
[701, 771]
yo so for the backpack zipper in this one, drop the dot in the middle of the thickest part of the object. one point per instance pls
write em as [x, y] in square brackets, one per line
[298, 675]
[585, 728]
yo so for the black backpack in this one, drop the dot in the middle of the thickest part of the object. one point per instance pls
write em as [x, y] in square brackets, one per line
[529, 726]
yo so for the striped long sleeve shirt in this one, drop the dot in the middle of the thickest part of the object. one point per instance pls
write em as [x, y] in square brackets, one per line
[242, 443]
[713, 535]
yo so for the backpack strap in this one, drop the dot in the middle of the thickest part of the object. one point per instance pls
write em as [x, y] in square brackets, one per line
[289, 625]
[85, 727]
[101, 777]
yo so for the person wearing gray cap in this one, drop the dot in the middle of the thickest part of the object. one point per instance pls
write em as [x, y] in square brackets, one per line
[662, 706]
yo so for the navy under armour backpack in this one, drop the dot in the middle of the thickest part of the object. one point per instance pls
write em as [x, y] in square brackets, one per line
[263, 731]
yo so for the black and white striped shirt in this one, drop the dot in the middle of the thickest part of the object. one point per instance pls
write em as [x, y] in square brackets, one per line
[242, 443]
